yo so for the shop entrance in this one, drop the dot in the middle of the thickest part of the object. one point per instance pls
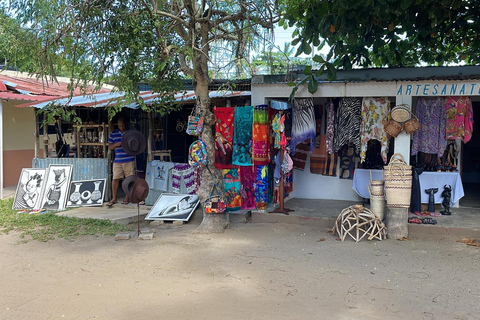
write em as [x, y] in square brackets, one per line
[471, 163]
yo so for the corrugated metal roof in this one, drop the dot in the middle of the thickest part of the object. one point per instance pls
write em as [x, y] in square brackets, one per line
[149, 97]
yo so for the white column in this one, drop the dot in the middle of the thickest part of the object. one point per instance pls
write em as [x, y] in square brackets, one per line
[1, 149]
[402, 141]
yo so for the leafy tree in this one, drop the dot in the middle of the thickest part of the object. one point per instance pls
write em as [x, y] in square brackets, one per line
[152, 41]
[394, 33]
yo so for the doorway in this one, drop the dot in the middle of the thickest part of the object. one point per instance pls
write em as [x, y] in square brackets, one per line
[471, 163]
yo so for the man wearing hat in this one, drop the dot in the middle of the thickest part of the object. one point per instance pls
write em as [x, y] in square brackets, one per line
[124, 163]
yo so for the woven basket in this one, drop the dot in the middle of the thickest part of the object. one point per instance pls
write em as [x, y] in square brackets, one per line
[412, 125]
[401, 113]
[393, 128]
[398, 182]
[377, 205]
[376, 186]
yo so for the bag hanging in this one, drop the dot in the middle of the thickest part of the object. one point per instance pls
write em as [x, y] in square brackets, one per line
[215, 203]
[197, 154]
[412, 125]
[393, 128]
[401, 113]
[195, 123]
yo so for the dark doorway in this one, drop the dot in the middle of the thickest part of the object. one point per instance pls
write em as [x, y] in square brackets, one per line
[471, 163]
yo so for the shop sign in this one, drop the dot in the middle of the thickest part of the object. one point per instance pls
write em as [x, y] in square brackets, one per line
[439, 89]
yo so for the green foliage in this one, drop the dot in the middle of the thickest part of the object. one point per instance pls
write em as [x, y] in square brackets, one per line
[45, 227]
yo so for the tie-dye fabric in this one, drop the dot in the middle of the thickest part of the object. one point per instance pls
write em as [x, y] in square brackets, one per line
[231, 183]
[260, 135]
[262, 187]
[303, 126]
[242, 142]
[224, 131]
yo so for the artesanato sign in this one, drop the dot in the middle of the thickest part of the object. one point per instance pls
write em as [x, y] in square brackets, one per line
[437, 89]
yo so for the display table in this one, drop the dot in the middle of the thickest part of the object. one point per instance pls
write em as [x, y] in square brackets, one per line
[428, 180]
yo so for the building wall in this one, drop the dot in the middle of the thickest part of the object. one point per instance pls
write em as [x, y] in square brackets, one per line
[18, 141]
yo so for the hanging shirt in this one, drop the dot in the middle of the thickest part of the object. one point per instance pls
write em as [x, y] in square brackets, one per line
[158, 174]
[374, 117]
[431, 137]
[459, 118]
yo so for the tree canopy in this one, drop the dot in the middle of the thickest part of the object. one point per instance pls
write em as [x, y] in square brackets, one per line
[393, 33]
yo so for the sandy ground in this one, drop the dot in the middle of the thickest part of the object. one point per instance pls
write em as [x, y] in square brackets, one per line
[252, 271]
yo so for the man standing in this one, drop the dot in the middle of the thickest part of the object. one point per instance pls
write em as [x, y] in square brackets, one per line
[123, 165]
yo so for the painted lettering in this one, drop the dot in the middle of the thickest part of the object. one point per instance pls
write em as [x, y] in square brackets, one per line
[418, 88]
[408, 91]
[426, 88]
[462, 90]
[453, 89]
[435, 88]
[399, 92]
[473, 87]
[444, 90]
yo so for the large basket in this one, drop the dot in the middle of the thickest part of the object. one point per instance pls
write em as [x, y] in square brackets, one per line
[401, 113]
[377, 205]
[398, 182]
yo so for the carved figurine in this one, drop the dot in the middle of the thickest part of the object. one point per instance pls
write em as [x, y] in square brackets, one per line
[447, 196]
[431, 198]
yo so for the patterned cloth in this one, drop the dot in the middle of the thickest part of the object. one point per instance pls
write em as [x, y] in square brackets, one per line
[262, 187]
[347, 163]
[188, 173]
[224, 130]
[260, 135]
[331, 123]
[231, 183]
[247, 180]
[459, 118]
[242, 142]
[277, 128]
[374, 117]
[300, 157]
[331, 165]
[431, 137]
[303, 126]
[318, 158]
[348, 128]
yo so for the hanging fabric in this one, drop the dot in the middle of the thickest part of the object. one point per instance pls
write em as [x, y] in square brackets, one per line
[459, 118]
[224, 132]
[348, 126]
[331, 124]
[318, 158]
[185, 171]
[374, 117]
[300, 157]
[247, 180]
[242, 142]
[303, 123]
[280, 105]
[231, 183]
[347, 163]
[261, 187]
[431, 137]
[157, 174]
[278, 128]
[260, 135]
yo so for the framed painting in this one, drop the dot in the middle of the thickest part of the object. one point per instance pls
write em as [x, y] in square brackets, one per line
[29, 189]
[86, 193]
[171, 206]
[57, 184]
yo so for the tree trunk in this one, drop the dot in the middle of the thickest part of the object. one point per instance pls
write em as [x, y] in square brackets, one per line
[211, 223]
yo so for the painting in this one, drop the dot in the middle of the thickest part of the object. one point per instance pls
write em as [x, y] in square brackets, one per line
[171, 206]
[56, 188]
[29, 189]
[86, 193]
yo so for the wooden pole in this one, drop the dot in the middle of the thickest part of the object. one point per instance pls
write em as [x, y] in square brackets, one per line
[281, 191]
[37, 134]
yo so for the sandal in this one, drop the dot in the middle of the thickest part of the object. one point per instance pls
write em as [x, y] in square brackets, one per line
[111, 203]
[429, 221]
[415, 220]
[125, 202]
[435, 214]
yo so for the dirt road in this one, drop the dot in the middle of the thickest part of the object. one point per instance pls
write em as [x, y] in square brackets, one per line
[252, 271]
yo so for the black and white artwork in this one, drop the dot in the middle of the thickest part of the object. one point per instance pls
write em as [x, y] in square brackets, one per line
[86, 193]
[29, 189]
[171, 206]
[56, 188]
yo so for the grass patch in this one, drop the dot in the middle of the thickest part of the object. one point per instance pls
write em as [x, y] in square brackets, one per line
[48, 226]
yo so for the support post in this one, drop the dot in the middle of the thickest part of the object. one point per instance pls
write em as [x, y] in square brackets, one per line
[281, 192]
[37, 134]
[150, 136]
[1, 149]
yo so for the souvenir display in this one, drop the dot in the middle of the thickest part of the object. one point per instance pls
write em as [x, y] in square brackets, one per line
[349, 117]
[247, 181]
[215, 203]
[224, 132]
[173, 207]
[57, 185]
[242, 142]
[260, 135]
[374, 116]
[86, 193]
[231, 182]
[303, 123]
[29, 189]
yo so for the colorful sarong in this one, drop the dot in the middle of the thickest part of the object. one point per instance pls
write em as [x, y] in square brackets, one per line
[242, 142]
[262, 187]
[260, 135]
[247, 180]
[303, 126]
[231, 183]
[224, 130]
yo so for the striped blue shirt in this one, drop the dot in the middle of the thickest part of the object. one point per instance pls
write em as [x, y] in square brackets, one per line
[120, 155]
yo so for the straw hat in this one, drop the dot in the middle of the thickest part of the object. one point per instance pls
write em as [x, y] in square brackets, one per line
[133, 142]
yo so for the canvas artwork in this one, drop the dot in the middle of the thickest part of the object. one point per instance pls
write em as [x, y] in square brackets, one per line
[86, 193]
[29, 189]
[56, 188]
[171, 206]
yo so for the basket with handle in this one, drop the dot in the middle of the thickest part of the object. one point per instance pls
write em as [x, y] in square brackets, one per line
[401, 113]
[398, 182]
[377, 204]
[412, 125]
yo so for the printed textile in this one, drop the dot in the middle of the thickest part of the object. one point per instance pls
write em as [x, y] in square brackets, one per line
[224, 131]
[242, 142]
[231, 183]
[303, 125]
[262, 187]
[188, 173]
[347, 163]
[157, 174]
[459, 118]
[260, 135]
[374, 117]
[277, 128]
[300, 157]
[318, 158]
[330, 132]
[431, 137]
[279, 105]
[349, 117]
[248, 177]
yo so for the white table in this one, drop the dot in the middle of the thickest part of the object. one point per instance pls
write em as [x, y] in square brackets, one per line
[428, 180]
